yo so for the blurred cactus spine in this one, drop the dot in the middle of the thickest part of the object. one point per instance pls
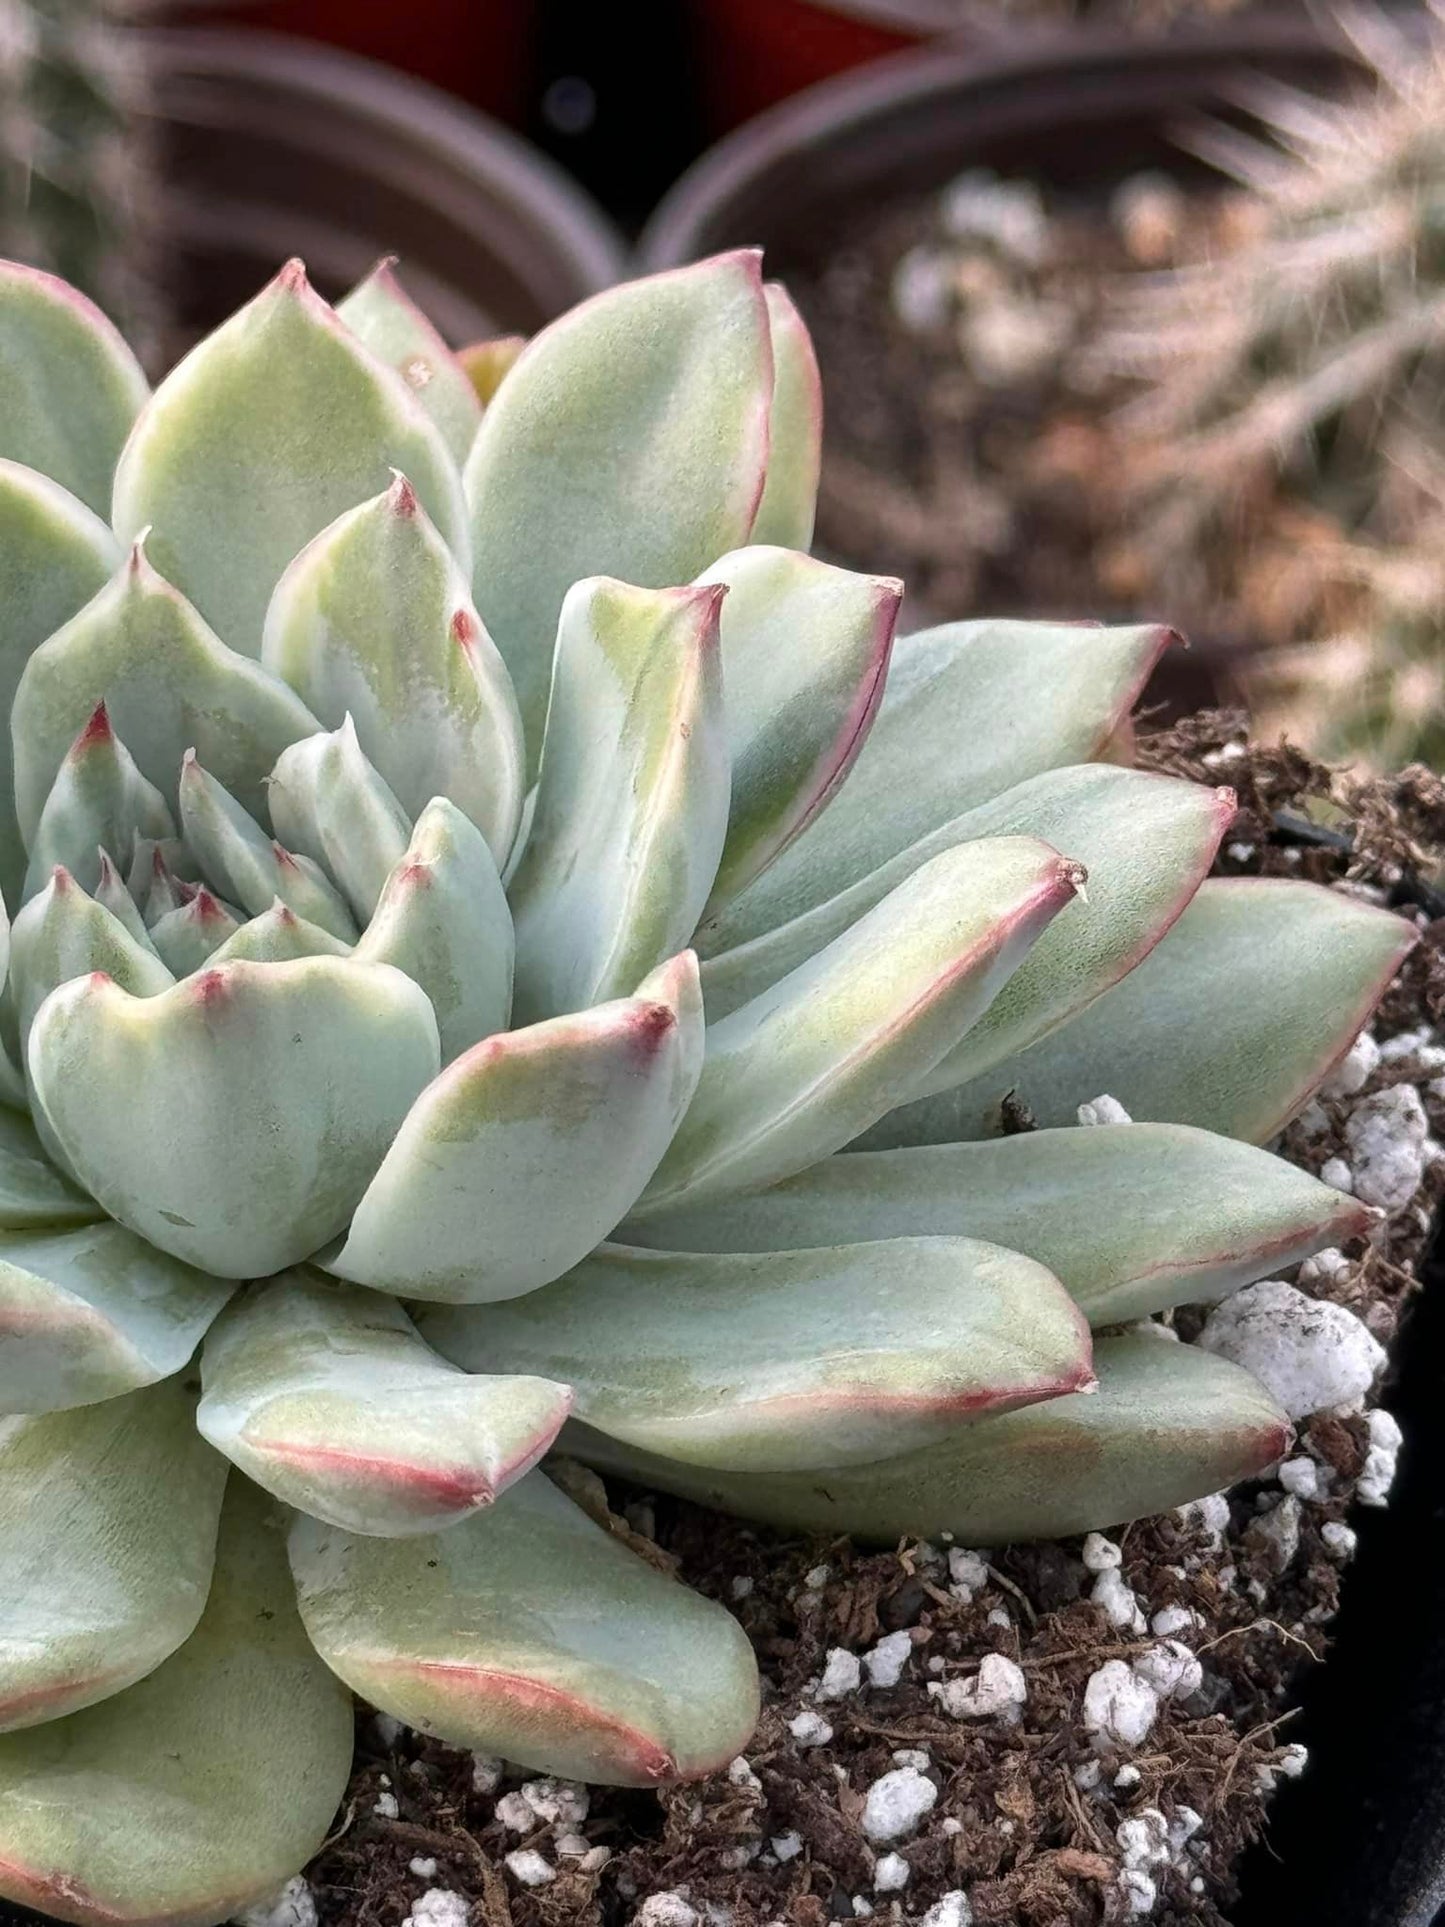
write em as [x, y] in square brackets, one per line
[73, 150]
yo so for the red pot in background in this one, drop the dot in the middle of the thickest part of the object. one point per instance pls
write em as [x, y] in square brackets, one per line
[484, 51]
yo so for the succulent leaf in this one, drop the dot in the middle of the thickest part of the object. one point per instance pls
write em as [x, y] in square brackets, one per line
[329, 804]
[111, 894]
[1165, 1426]
[1231, 1023]
[785, 1360]
[273, 426]
[632, 803]
[168, 685]
[63, 933]
[1132, 1219]
[527, 1150]
[443, 919]
[374, 620]
[380, 313]
[486, 364]
[99, 800]
[187, 937]
[92, 1313]
[34, 1195]
[805, 651]
[623, 1676]
[1024, 696]
[107, 1532]
[795, 429]
[199, 1791]
[278, 935]
[236, 1119]
[72, 387]
[807, 1065]
[325, 1395]
[629, 440]
[54, 556]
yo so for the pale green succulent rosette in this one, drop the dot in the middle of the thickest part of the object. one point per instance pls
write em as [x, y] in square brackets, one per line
[380, 774]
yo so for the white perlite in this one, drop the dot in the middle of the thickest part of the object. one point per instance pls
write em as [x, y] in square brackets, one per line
[786, 1846]
[968, 1571]
[890, 1876]
[912, 1756]
[530, 1867]
[842, 1675]
[1170, 1620]
[1355, 1068]
[1121, 1607]
[1103, 1110]
[885, 1663]
[1386, 1135]
[1339, 1539]
[1381, 1459]
[386, 1807]
[293, 1906]
[1301, 1478]
[1210, 1516]
[516, 1814]
[1171, 1669]
[439, 1907]
[666, 1910]
[1336, 1173]
[558, 1802]
[896, 1803]
[1310, 1354]
[423, 1869]
[1144, 1839]
[1100, 1554]
[952, 1911]
[1141, 1896]
[996, 1691]
[1277, 1532]
[810, 1729]
[486, 1773]
[1119, 1706]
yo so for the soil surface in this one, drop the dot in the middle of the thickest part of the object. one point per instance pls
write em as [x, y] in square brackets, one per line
[1030, 1822]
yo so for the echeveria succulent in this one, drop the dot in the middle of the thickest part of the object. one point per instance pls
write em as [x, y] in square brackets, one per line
[381, 769]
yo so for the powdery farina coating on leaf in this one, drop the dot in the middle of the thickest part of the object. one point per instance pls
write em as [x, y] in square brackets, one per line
[287, 1085]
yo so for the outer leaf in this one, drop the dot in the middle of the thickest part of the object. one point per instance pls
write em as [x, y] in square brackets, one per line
[629, 440]
[374, 620]
[168, 685]
[327, 1397]
[1133, 1219]
[250, 867]
[1147, 842]
[530, 1632]
[529, 1149]
[486, 364]
[93, 1313]
[443, 919]
[784, 1360]
[632, 805]
[190, 935]
[1166, 1425]
[107, 1529]
[970, 710]
[270, 429]
[805, 651]
[99, 801]
[794, 1074]
[200, 1790]
[1231, 1023]
[62, 934]
[383, 315]
[795, 429]
[237, 1119]
[54, 556]
[34, 1196]
[330, 805]
[72, 387]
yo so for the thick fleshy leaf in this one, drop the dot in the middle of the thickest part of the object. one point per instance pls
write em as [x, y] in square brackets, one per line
[72, 387]
[629, 440]
[111, 894]
[1133, 1218]
[529, 1631]
[63, 933]
[107, 1529]
[527, 1151]
[237, 1119]
[795, 429]
[1231, 1023]
[99, 801]
[276, 424]
[34, 1196]
[806, 1066]
[784, 1360]
[325, 1395]
[443, 919]
[190, 935]
[329, 804]
[487, 364]
[383, 315]
[54, 556]
[202, 1789]
[1166, 1425]
[250, 867]
[1147, 842]
[278, 935]
[970, 710]
[632, 805]
[92, 1313]
[374, 620]
[805, 651]
[168, 686]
